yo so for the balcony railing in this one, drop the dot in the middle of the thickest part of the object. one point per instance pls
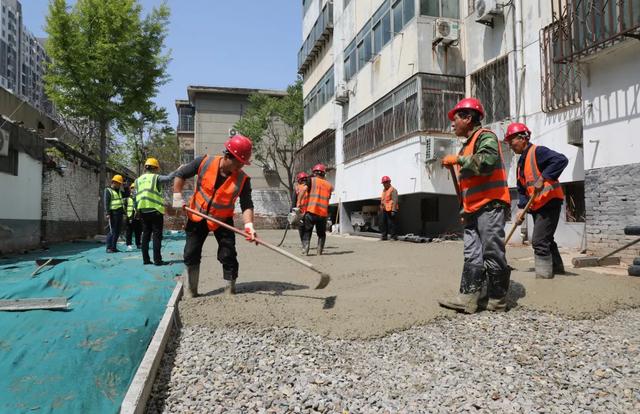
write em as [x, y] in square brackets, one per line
[321, 149]
[320, 33]
[587, 26]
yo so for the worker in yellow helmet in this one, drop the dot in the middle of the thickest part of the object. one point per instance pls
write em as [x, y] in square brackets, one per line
[134, 226]
[114, 207]
[150, 203]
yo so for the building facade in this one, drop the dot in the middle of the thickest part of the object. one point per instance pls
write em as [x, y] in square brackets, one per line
[380, 76]
[204, 123]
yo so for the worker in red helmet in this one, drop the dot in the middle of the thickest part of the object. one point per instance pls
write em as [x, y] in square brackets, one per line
[485, 202]
[539, 169]
[220, 183]
[300, 201]
[388, 209]
[317, 209]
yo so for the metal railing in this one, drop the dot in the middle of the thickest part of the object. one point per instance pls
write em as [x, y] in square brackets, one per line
[321, 149]
[586, 26]
[318, 36]
[491, 86]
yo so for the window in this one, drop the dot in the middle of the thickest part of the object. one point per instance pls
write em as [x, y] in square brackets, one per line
[397, 16]
[439, 93]
[319, 95]
[350, 62]
[364, 45]
[9, 163]
[490, 85]
[440, 8]
[560, 81]
[575, 205]
[185, 120]
[321, 149]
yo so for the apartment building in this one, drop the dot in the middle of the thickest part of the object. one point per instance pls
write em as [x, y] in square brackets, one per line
[380, 75]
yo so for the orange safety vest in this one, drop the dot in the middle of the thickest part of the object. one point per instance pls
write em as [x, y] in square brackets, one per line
[387, 200]
[302, 197]
[551, 188]
[319, 196]
[218, 203]
[478, 190]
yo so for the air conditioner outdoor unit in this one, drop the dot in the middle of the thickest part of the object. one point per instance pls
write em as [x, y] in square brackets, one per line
[446, 31]
[438, 147]
[342, 93]
[4, 143]
[575, 132]
[486, 10]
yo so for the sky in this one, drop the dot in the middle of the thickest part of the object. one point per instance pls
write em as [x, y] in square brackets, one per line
[239, 43]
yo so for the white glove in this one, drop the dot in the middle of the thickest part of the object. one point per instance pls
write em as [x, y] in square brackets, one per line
[250, 232]
[178, 201]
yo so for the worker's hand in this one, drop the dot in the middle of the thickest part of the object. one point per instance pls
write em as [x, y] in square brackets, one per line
[520, 217]
[250, 232]
[538, 185]
[449, 160]
[178, 201]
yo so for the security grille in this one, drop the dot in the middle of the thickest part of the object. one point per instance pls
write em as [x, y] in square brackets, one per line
[491, 85]
[320, 150]
[560, 80]
[439, 93]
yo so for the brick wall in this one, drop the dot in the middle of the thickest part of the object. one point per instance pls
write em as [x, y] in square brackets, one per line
[69, 183]
[612, 197]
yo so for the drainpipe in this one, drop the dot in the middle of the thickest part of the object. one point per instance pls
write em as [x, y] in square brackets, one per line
[518, 44]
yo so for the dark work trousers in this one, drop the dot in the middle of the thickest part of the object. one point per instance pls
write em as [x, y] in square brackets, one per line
[310, 221]
[134, 228]
[115, 224]
[484, 253]
[227, 255]
[388, 224]
[152, 225]
[545, 222]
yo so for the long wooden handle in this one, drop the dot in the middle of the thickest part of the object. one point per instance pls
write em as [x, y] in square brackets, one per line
[455, 182]
[257, 240]
[41, 266]
[515, 225]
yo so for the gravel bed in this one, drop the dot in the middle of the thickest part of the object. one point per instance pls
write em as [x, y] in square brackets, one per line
[521, 362]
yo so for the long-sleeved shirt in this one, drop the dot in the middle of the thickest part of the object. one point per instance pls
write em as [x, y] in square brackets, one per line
[191, 170]
[550, 163]
[485, 158]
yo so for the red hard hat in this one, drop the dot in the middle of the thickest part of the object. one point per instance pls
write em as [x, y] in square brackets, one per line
[467, 103]
[319, 167]
[301, 176]
[516, 128]
[240, 146]
[386, 179]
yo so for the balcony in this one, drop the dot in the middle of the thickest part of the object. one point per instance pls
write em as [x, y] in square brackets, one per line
[319, 35]
[322, 149]
[589, 26]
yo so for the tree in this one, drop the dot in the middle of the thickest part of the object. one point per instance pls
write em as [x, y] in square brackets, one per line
[106, 63]
[275, 125]
[139, 129]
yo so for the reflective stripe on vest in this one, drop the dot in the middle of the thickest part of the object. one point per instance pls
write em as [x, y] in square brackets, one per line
[319, 196]
[302, 197]
[387, 200]
[130, 210]
[219, 203]
[551, 188]
[478, 190]
[148, 196]
[116, 200]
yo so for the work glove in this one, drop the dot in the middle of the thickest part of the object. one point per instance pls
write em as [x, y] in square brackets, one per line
[449, 160]
[178, 201]
[250, 232]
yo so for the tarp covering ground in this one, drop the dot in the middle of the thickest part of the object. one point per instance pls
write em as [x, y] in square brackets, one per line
[80, 360]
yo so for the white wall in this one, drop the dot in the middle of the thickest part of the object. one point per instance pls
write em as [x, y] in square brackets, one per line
[611, 102]
[22, 194]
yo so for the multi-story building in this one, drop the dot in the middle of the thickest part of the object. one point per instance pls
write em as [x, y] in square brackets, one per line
[204, 123]
[380, 75]
[22, 58]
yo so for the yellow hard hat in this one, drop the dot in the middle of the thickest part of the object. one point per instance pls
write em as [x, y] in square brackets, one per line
[118, 179]
[133, 185]
[152, 162]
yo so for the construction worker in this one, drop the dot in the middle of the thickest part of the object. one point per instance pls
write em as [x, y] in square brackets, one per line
[388, 209]
[114, 207]
[485, 201]
[317, 209]
[134, 227]
[301, 200]
[220, 183]
[150, 204]
[538, 171]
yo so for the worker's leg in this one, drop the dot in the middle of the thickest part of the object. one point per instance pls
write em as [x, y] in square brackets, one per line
[196, 235]
[384, 225]
[392, 225]
[307, 224]
[110, 234]
[491, 230]
[137, 231]
[129, 231]
[147, 229]
[321, 231]
[157, 228]
[116, 226]
[227, 254]
[547, 257]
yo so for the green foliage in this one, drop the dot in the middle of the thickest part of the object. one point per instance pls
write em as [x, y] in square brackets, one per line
[275, 125]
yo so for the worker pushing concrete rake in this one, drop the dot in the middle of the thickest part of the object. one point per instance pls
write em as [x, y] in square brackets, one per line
[324, 277]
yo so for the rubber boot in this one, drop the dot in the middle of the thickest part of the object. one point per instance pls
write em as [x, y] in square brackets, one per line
[230, 288]
[462, 302]
[321, 245]
[305, 247]
[191, 281]
[544, 267]
[558, 264]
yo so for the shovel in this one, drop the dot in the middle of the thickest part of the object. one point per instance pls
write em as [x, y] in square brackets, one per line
[324, 278]
[46, 262]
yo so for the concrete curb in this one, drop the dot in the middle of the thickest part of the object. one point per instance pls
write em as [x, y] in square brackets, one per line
[135, 400]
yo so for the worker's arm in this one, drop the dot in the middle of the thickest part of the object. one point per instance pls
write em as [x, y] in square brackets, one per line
[294, 199]
[246, 205]
[166, 178]
[394, 198]
[550, 163]
[180, 175]
[107, 200]
[484, 160]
